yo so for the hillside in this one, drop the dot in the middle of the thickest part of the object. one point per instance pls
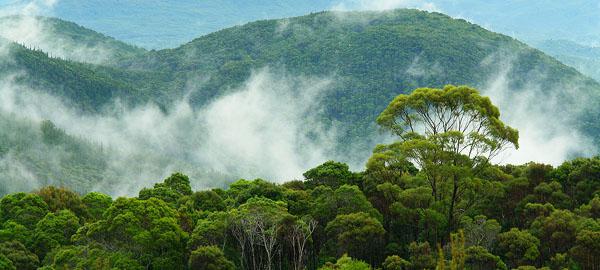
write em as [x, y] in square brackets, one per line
[84, 86]
[367, 58]
[371, 56]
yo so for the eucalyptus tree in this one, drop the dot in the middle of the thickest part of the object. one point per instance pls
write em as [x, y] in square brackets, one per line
[451, 134]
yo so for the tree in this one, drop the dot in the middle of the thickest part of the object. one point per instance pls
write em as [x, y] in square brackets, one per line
[332, 174]
[54, 230]
[457, 249]
[480, 231]
[556, 232]
[62, 198]
[346, 263]
[394, 262]
[209, 258]
[450, 133]
[580, 178]
[421, 256]
[299, 233]
[479, 258]
[256, 225]
[90, 257]
[358, 234]
[23, 208]
[242, 190]
[388, 164]
[148, 229]
[170, 190]
[19, 255]
[518, 247]
[587, 249]
[96, 203]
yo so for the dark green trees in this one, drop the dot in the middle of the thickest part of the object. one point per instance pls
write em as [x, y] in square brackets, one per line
[209, 258]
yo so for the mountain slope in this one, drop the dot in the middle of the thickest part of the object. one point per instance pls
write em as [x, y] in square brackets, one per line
[84, 86]
[372, 57]
[367, 57]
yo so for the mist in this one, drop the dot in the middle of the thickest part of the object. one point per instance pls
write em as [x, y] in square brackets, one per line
[546, 123]
[268, 128]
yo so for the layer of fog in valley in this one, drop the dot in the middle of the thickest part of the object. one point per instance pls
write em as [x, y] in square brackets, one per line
[267, 128]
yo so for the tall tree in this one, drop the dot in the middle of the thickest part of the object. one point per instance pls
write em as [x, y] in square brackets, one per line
[450, 133]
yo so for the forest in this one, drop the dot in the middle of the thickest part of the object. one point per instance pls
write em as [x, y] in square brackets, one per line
[433, 199]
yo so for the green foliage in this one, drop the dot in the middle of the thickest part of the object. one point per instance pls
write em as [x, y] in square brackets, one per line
[170, 190]
[209, 258]
[358, 235]
[394, 262]
[19, 255]
[91, 257]
[587, 249]
[63, 199]
[332, 174]
[518, 247]
[346, 263]
[54, 230]
[422, 256]
[451, 134]
[6, 264]
[146, 228]
[96, 203]
[23, 208]
[479, 258]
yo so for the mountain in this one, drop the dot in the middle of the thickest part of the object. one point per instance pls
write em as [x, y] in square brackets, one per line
[371, 56]
[366, 58]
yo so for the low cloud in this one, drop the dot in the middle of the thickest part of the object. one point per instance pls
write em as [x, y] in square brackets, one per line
[270, 127]
[545, 118]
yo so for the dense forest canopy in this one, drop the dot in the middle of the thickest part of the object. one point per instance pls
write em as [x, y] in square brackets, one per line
[432, 200]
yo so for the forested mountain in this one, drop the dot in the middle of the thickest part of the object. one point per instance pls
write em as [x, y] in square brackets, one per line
[371, 56]
[367, 58]
[271, 99]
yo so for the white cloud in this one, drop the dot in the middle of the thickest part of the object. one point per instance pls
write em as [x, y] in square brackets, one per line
[544, 120]
[269, 128]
